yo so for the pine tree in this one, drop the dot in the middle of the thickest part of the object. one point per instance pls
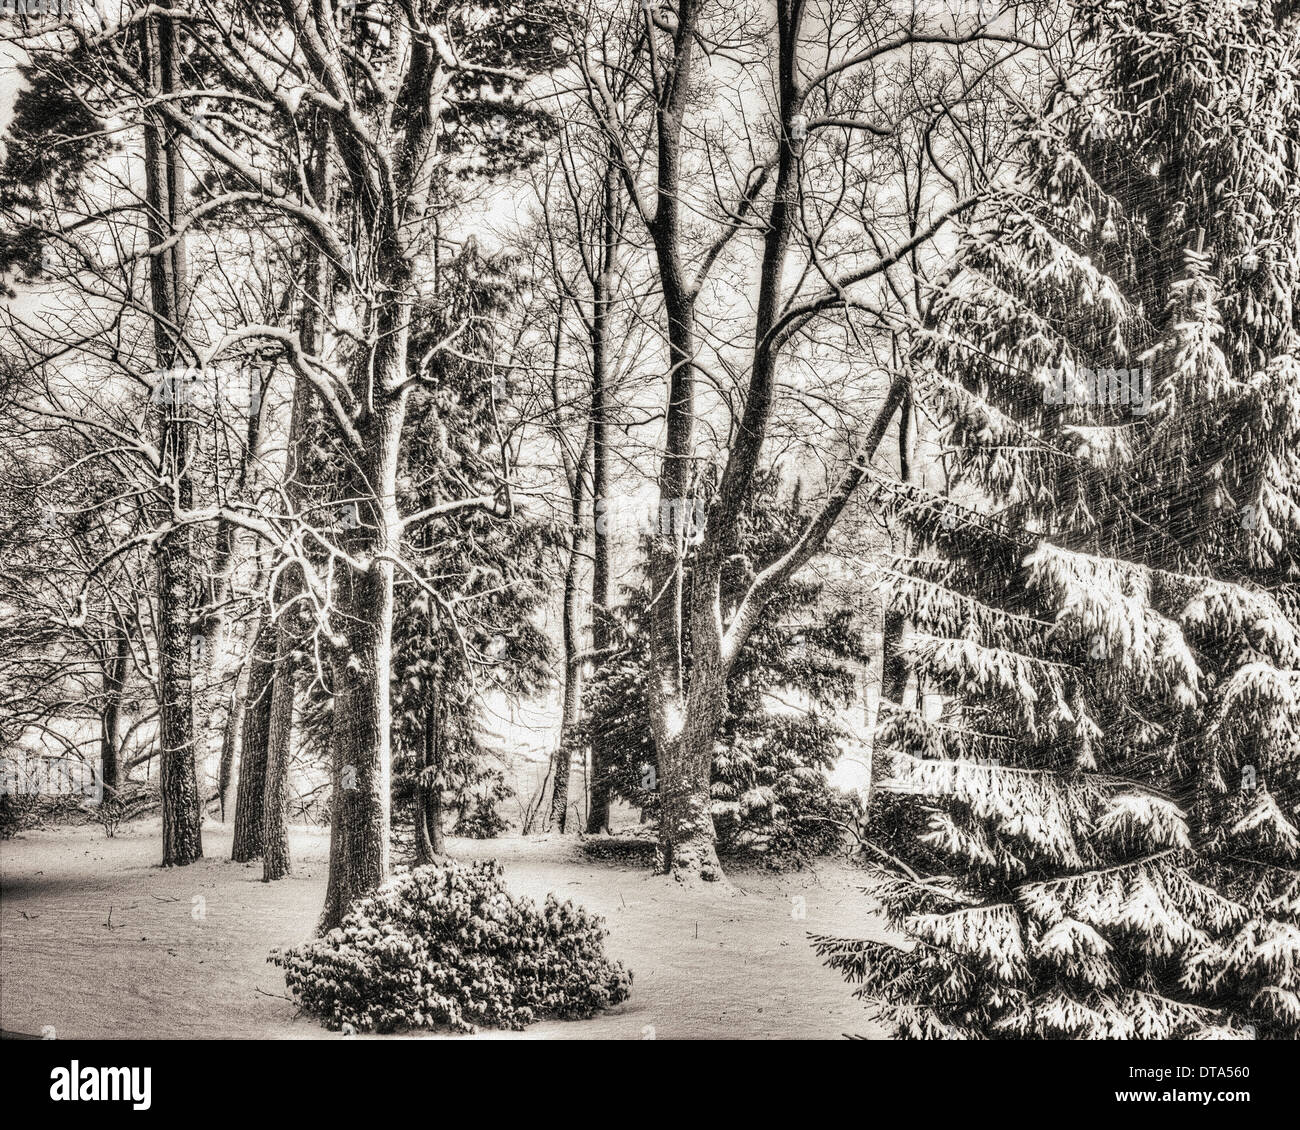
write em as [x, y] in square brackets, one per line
[769, 787]
[473, 577]
[1096, 836]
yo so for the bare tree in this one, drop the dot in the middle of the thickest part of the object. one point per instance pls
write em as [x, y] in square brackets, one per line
[812, 73]
[583, 214]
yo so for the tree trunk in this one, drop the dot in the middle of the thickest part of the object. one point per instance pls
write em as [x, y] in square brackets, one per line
[276, 863]
[361, 735]
[211, 705]
[165, 192]
[182, 814]
[572, 714]
[311, 337]
[114, 678]
[359, 833]
[687, 841]
[685, 828]
[433, 799]
[685, 825]
[893, 667]
[428, 790]
[572, 707]
[602, 590]
[234, 720]
[689, 709]
[275, 788]
[249, 479]
[249, 793]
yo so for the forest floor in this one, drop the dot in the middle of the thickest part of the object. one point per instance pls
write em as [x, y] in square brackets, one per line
[98, 941]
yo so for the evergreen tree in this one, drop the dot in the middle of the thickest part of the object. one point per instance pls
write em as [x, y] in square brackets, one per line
[473, 576]
[1097, 835]
[465, 618]
[770, 793]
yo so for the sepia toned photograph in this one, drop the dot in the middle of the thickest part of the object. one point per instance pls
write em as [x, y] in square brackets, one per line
[657, 520]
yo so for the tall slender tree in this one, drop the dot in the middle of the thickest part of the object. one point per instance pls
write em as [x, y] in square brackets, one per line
[159, 59]
[584, 217]
[315, 308]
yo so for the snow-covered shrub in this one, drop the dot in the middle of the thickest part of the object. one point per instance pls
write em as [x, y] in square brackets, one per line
[18, 812]
[111, 811]
[480, 800]
[448, 945]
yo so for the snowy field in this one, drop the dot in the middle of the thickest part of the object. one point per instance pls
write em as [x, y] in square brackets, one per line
[98, 941]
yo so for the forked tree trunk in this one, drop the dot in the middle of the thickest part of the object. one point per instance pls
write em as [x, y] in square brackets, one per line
[683, 751]
[571, 715]
[182, 813]
[252, 754]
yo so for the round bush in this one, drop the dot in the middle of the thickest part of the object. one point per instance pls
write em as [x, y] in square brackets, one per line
[448, 945]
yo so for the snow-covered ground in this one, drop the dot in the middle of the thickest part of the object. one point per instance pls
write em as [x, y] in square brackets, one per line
[96, 940]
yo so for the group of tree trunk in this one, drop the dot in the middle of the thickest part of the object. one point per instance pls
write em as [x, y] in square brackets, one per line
[808, 106]
[342, 184]
[353, 182]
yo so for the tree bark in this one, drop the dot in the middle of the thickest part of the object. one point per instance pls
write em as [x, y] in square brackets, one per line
[232, 723]
[684, 803]
[250, 791]
[359, 839]
[893, 667]
[572, 632]
[114, 679]
[602, 591]
[212, 696]
[572, 713]
[249, 478]
[361, 735]
[687, 709]
[276, 863]
[182, 815]
[687, 840]
[165, 193]
[428, 791]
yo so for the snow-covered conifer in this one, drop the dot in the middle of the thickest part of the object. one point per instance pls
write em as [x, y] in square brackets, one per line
[1096, 834]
